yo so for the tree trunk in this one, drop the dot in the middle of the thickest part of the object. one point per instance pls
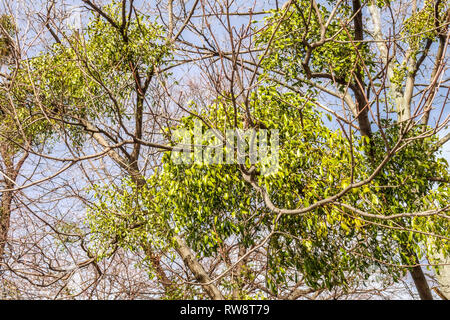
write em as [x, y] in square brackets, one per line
[359, 86]
[197, 269]
[417, 275]
[7, 196]
[156, 264]
[5, 214]
[421, 283]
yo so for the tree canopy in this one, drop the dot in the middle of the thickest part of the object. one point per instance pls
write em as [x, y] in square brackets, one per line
[280, 151]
